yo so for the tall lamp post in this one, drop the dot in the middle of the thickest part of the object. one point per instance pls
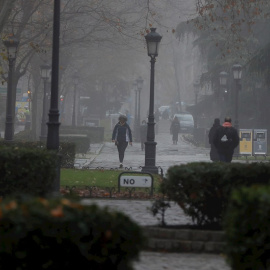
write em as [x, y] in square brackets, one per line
[53, 123]
[139, 87]
[223, 77]
[11, 44]
[152, 39]
[237, 75]
[76, 81]
[45, 74]
[196, 86]
[135, 112]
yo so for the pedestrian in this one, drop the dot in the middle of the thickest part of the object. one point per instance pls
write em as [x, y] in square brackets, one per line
[213, 150]
[226, 139]
[122, 136]
[143, 133]
[175, 129]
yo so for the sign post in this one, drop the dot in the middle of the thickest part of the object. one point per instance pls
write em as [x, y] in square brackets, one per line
[136, 179]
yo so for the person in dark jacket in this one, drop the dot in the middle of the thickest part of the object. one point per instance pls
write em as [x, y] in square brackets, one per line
[214, 156]
[122, 136]
[175, 129]
[226, 139]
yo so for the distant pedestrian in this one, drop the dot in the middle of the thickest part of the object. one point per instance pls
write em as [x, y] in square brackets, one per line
[143, 133]
[226, 139]
[122, 136]
[175, 129]
[213, 151]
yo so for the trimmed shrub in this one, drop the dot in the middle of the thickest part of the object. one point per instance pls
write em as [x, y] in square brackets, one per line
[66, 149]
[82, 144]
[202, 189]
[247, 229]
[39, 233]
[24, 170]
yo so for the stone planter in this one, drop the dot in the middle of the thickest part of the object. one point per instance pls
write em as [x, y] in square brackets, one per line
[184, 240]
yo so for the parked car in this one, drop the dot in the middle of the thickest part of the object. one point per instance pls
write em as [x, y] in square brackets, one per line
[186, 122]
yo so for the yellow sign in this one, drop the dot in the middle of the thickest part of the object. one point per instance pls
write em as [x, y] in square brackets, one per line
[245, 145]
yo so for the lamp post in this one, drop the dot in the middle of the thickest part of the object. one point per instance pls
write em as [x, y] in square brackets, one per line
[45, 74]
[152, 39]
[196, 86]
[139, 87]
[11, 44]
[76, 80]
[53, 123]
[135, 113]
[223, 77]
[237, 75]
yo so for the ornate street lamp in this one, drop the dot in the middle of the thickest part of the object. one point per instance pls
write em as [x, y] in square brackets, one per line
[45, 70]
[223, 78]
[135, 112]
[76, 81]
[11, 44]
[53, 123]
[237, 75]
[152, 39]
[139, 87]
[196, 86]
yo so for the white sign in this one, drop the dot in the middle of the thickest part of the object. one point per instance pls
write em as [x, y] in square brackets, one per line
[135, 181]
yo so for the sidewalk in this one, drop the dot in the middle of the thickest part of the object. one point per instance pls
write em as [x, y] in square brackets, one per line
[167, 155]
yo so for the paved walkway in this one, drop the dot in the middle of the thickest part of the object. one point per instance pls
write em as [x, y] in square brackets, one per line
[167, 154]
[139, 212]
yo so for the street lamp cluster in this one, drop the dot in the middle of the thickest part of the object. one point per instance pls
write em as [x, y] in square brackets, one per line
[237, 75]
[76, 81]
[45, 71]
[137, 120]
[152, 39]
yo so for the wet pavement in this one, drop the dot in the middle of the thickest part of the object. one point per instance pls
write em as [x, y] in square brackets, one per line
[106, 156]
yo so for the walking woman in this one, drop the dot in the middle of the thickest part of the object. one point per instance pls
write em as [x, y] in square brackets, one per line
[122, 136]
[175, 129]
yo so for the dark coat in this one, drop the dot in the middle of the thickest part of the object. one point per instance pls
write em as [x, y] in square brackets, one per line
[214, 156]
[122, 133]
[175, 129]
[232, 142]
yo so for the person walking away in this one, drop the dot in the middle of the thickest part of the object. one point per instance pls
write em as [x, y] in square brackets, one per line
[175, 129]
[122, 136]
[143, 133]
[213, 150]
[226, 139]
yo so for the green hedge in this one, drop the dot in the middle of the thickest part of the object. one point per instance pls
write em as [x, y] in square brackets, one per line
[247, 229]
[66, 149]
[95, 134]
[82, 144]
[202, 189]
[37, 233]
[25, 170]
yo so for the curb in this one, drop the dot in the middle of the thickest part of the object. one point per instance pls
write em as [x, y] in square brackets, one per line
[184, 240]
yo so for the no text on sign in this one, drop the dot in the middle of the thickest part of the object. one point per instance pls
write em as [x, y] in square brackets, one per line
[135, 181]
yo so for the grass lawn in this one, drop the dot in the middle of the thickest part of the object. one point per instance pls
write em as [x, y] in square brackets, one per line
[99, 178]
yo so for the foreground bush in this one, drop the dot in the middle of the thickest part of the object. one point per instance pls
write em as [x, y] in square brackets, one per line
[37, 233]
[66, 149]
[247, 229]
[26, 170]
[202, 189]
